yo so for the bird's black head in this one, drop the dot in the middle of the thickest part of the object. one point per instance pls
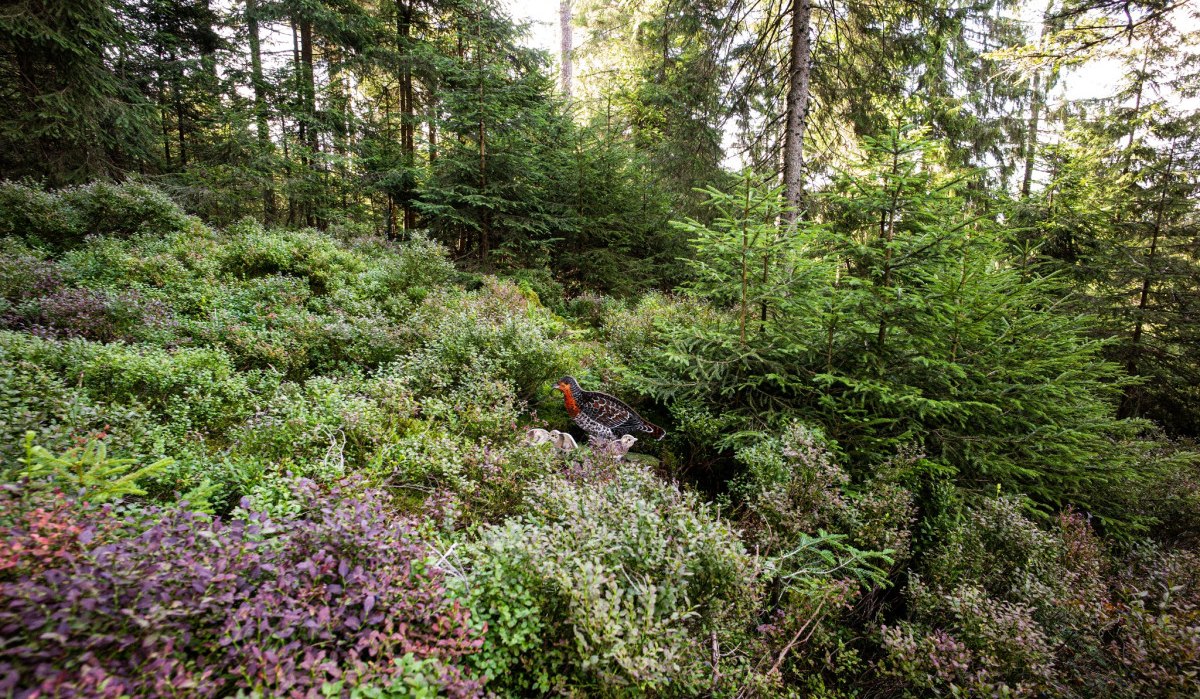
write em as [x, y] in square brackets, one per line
[567, 382]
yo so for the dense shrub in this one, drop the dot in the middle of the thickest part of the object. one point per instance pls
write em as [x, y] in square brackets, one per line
[192, 388]
[93, 314]
[325, 421]
[26, 275]
[992, 647]
[169, 602]
[253, 251]
[123, 209]
[31, 213]
[62, 219]
[793, 486]
[35, 395]
[496, 332]
[1007, 607]
[599, 587]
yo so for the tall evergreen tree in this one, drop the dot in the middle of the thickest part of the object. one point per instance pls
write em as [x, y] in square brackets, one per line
[70, 111]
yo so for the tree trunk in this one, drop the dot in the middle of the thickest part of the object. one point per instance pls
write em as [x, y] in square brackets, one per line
[1037, 99]
[309, 84]
[432, 107]
[1031, 137]
[408, 117]
[308, 94]
[564, 25]
[485, 219]
[260, 103]
[1129, 404]
[177, 99]
[797, 109]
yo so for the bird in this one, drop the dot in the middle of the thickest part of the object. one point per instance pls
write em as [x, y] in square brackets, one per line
[602, 416]
[616, 448]
[562, 441]
[536, 435]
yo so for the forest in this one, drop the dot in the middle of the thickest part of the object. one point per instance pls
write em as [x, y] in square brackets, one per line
[913, 288]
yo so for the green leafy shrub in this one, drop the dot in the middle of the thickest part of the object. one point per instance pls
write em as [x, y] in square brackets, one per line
[34, 214]
[252, 251]
[597, 589]
[124, 209]
[62, 219]
[191, 388]
[495, 333]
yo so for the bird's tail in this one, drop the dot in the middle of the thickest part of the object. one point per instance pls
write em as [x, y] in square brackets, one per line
[655, 431]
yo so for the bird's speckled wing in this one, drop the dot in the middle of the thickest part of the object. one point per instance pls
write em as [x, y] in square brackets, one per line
[607, 410]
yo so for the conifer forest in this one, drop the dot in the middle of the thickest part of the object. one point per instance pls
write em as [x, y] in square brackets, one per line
[338, 340]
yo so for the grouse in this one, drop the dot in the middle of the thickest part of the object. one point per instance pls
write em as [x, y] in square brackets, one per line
[601, 415]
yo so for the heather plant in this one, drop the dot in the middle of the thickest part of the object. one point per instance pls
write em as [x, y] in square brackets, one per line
[26, 275]
[999, 548]
[598, 588]
[171, 602]
[97, 315]
[1147, 639]
[791, 485]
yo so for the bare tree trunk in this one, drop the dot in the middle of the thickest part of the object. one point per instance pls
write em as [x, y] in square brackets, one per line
[432, 109]
[408, 118]
[564, 25]
[1129, 405]
[309, 85]
[486, 223]
[1031, 137]
[309, 89]
[797, 109]
[177, 99]
[260, 102]
[1036, 99]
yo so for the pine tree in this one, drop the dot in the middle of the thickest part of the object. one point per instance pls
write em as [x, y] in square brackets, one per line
[1119, 215]
[70, 111]
[898, 319]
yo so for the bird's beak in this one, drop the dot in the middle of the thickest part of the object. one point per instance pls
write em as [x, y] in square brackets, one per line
[557, 387]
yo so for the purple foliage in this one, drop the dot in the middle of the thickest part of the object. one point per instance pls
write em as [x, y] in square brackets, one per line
[177, 604]
[25, 277]
[92, 314]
